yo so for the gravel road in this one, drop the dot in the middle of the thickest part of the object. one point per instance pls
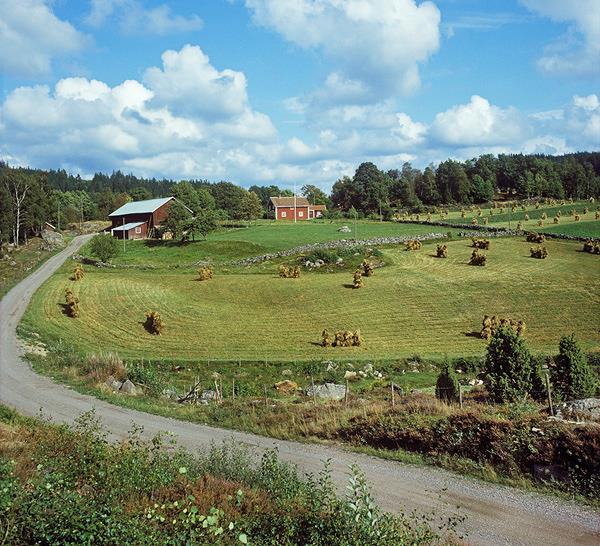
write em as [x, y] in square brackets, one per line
[495, 514]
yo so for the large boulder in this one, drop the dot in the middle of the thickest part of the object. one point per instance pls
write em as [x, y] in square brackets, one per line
[128, 387]
[52, 240]
[328, 391]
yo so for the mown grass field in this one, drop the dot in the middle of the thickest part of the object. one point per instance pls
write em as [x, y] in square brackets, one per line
[260, 238]
[418, 305]
[587, 226]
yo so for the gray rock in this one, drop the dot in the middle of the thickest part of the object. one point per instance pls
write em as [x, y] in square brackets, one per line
[113, 383]
[587, 408]
[170, 393]
[345, 229]
[206, 396]
[128, 387]
[51, 240]
[328, 391]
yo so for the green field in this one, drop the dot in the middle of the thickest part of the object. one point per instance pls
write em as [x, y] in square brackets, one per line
[417, 305]
[261, 238]
[587, 226]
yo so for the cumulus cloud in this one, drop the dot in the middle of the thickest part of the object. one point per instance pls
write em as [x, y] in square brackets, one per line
[565, 57]
[134, 18]
[378, 43]
[478, 123]
[31, 36]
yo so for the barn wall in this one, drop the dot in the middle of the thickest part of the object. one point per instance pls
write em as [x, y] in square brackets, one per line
[302, 213]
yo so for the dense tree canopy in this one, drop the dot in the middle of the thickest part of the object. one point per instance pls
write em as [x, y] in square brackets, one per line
[62, 198]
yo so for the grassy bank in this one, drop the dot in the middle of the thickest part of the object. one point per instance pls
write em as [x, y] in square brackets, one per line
[139, 493]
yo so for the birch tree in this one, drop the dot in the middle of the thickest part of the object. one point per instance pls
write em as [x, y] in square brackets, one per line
[17, 185]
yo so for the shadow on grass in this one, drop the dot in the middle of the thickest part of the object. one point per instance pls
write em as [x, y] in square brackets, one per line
[348, 286]
[473, 334]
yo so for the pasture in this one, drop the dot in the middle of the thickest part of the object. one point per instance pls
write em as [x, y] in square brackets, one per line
[418, 304]
[262, 237]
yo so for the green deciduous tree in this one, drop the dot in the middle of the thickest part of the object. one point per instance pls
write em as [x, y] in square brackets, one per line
[508, 366]
[250, 207]
[104, 247]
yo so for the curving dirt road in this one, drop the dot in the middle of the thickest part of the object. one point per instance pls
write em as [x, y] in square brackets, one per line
[495, 514]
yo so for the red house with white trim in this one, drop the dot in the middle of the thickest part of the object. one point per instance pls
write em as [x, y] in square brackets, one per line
[295, 208]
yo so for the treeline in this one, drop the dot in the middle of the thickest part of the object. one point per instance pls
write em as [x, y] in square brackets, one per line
[31, 197]
[477, 180]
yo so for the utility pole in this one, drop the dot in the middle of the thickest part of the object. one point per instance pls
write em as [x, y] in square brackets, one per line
[58, 216]
[123, 235]
[295, 211]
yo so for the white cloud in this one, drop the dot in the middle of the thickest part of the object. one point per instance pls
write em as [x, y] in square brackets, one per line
[134, 18]
[564, 58]
[31, 36]
[478, 123]
[590, 102]
[378, 43]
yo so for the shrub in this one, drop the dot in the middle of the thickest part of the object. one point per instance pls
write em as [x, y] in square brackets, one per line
[477, 258]
[72, 304]
[413, 245]
[357, 281]
[101, 365]
[539, 252]
[104, 247]
[446, 386]
[483, 244]
[205, 273]
[533, 237]
[508, 367]
[442, 251]
[571, 374]
[78, 272]
[324, 255]
[154, 324]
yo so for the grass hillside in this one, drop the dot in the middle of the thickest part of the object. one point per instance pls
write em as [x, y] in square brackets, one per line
[420, 304]
[261, 238]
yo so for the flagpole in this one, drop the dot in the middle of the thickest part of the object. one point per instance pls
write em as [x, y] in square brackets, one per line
[295, 210]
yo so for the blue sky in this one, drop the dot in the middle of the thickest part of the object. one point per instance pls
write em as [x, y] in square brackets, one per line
[295, 91]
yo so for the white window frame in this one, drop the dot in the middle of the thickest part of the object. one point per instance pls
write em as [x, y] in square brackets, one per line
[138, 229]
[284, 214]
[300, 214]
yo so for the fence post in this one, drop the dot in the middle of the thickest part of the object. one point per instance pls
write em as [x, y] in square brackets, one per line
[266, 399]
[550, 406]
[346, 394]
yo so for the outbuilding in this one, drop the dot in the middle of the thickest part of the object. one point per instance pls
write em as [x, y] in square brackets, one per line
[140, 219]
[295, 208]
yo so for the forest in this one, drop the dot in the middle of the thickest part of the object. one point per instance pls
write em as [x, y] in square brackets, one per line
[31, 197]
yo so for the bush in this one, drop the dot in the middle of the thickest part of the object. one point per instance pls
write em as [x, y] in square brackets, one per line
[540, 252]
[477, 258]
[324, 255]
[446, 386]
[572, 376]
[104, 247]
[154, 324]
[100, 366]
[508, 366]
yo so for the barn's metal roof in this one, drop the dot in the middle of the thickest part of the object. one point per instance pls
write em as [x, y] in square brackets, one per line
[129, 226]
[141, 207]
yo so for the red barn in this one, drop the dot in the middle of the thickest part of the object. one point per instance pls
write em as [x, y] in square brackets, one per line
[140, 219]
[295, 208]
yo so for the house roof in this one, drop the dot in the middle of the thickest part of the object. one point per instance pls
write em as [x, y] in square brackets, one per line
[289, 201]
[140, 207]
[318, 207]
[129, 226]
